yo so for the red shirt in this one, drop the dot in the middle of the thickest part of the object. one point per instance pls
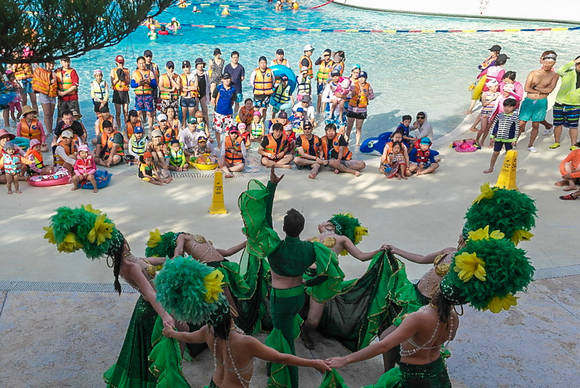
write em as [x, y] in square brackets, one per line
[73, 96]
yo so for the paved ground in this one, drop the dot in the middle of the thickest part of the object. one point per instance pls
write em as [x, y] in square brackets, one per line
[69, 338]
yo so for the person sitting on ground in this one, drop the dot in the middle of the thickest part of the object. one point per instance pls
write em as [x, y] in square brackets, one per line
[308, 152]
[31, 128]
[334, 149]
[177, 159]
[274, 148]
[246, 112]
[405, 128]
[395, 164]
[137, 144]
[34, 155]
[187, 136]
[233, 153]
[201, 127]
[258, 128]
[422, 126]
[504, 131]
[103, 116]
[422, 160]
[65, 151]
[570, 170]
[68, 122]
[309, 111]
[396, 137]
[173, 121]
[282, 119]
[297, 121]
[204, 152]
[244, 133]
[109, 151]
[168, 132]
[84, 169]
[132, 123]
[147, 171]
[160, 153]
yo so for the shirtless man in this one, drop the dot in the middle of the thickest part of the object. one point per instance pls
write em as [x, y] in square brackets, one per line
[539, 84]
[332, 235]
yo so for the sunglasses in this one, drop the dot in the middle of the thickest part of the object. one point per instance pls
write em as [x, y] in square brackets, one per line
[420, 117]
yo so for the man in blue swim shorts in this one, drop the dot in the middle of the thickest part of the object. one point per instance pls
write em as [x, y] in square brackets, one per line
[567, 106]
[539, 84]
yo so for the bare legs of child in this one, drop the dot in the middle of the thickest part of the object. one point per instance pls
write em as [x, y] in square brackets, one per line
[77, 180]
[12, 179]
[228, 169]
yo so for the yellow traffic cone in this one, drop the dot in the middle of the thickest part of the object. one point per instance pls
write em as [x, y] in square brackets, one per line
[508, 173]
[217, 202]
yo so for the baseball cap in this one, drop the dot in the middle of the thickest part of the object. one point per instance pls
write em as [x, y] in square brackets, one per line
[147, 53]
[280, 51]
[67, 134]
[495, 47]
[185, 64]
[300, 109]
[306, 99]
[282, 115]
[156, 133]
[119, 59]
[147, 155]
[161, 117]
[191, 120]
[217, 51]
[425, 140]
[138, 129]
[226, 76]
[170, 65]
[327, 51]
[233, 129]
[307, 124]
[355, 66]
[174, 141]
[309, 47]
[335, 73]
[363, 74]
[202, 139]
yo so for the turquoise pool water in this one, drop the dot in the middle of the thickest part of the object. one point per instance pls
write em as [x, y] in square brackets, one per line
[409, 72]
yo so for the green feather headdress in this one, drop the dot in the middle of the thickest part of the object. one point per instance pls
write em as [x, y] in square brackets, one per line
[510, 211]
[487, 272]
[83, 228]
[161, 245]
[348, 226]
[191, 291]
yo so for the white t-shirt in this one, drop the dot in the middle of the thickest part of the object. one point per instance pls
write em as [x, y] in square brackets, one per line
[309, 112]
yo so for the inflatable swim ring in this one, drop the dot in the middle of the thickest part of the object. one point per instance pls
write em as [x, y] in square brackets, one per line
[6, 98]
[60, 177]
[103, 179]
[22, 142]
[375, 143]
[280, 70]
[202, 163]
[465, 145]
[478, 90]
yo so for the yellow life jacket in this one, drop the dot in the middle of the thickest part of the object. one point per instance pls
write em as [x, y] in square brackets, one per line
[118, 84]
[165, 82]
[143, 90]
[324, 70]
[23, 71]
[264, 82]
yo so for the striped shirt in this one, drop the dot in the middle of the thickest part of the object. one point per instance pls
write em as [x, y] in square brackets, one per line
[504, 127]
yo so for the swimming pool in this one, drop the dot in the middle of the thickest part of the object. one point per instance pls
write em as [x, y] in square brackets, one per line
[409, 72]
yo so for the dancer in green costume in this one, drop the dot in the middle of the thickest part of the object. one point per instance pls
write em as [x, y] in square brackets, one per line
[289, 260]
[90, 230]
[193, 292]
[486, 273]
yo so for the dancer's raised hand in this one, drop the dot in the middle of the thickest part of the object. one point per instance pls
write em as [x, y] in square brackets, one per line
[273, 177]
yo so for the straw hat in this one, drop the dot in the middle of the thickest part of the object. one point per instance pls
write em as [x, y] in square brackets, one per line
[26, 109]
[4, 133]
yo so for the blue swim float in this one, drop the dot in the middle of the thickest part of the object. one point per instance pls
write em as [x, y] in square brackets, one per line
[280, 70]
[376, 143]
[22, 142]
[103, 179]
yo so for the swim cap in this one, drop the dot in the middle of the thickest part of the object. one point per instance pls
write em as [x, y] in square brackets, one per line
[363, 74]
[147, 155]
[84, 147]
[257, 113]
[425, 140]
[138, 129]
[119, 59]
[241, 126]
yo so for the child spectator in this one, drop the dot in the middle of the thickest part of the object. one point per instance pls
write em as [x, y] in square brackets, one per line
[244, 133]
[177, 159]
[395, 163]
[11, 162]
[33, 154]
[258, 128]
[137, 145]
[99, 93]
[339, 97]
[233, 153]
[204, 148]
[16, 104]
[147, 170]
[297, 121]
[246, 112]
[405, 128]
[489, 100]
[570, 170]
[84, 169]
[503, 131]
[422, 158]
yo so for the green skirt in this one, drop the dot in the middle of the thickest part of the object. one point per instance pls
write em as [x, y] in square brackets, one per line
[132, 366]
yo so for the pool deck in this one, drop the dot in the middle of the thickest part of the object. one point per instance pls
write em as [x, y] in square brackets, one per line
[61, 324]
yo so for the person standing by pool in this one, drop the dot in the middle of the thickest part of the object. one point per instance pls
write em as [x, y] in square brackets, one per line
[305, 60]
[282, 98]
[24, 73]
[567, 106]
[361, 94]
[309, 112]
[188, 92]
[238, 74]
[120, 80]
[223, 98]
[324, 69]
[67, 82]
[203, 88]
[279, 60]
[539, 84]
[169, 86]
[150, 65]
[144, 81]
[262, 80]
[216, 69]
[44, 83]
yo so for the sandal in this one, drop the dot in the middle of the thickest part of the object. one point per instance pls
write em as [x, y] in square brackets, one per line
[569, 197]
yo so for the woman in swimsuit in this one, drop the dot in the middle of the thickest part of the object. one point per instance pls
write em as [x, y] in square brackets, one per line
[203, 250]
[234, 352]
[216, 69]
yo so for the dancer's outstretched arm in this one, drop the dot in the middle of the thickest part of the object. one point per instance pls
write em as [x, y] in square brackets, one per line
[233, 250]
[418, 258]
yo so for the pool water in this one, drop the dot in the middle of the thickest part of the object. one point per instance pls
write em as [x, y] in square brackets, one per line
[408, 72]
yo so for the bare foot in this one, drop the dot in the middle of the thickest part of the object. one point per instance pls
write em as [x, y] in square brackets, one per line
[18, 191]
[229, 175]
[561, 183]
[488, 171]
[9, 191]
[74, 188]
[312, 175]
[468, 112]
[548, 127]
[356, 173]
[473, 129]
[405, 178]
[569, 188]
[95, 190]
[336, 171]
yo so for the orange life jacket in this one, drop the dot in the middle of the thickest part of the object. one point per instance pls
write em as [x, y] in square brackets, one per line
[131, 127]
[107, 143]
[165, 82]
[44, 82]
[264, 82]
[31, 131]
[272, 147]
[23, 71]
[185, 82]
[360, 95]
[309, 65]
[101, 121]
[347, 155]
[69, 149]
[64, 79]
[119, 85]
[284, 62]
[38, 161]
[143, 90]
[168, 134]
[233, 150]
[305, 144]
